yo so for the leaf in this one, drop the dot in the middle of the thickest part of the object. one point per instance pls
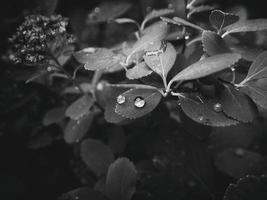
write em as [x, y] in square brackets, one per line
[213, 43]
[96, 155]
[153, 33]
[237, 105]
[249, 53]
[239, 162]
[98, 58]
[77, 129]
[107, 11]
[258, 69]
[202, 111]
[138, 102]
[108, 95]
[181, 22]
[207, 67]
[83, 193]
[199, 9]
[157, 13]
[55, 115]
[121, 180]
[80, 107]
[162, 62]
[138, 71]
[254, 85]
[248, 187]
[246, 26]
[239, 136]
[219, 19]
[257, 91]
[86, 87]
[116, 139]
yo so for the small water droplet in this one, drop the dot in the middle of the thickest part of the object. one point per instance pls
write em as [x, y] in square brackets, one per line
[232, 69]
[49, 69]
[121, 99]
[201, 118]
[217, 107]
[76, 197]
[239, 152]
[186, 37]
[100, 86]
[139, 102]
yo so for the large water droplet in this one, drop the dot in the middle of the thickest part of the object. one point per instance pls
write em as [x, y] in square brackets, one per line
[121, 99]
[139, 102]
[217, 107]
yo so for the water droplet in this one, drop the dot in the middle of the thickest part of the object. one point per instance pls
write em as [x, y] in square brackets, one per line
[239, 152]
[201, 118]
[76, 198]
[186, 37]
[232, 69]
[89, 50]
[121, 99]
[100, 86]
[217, 107]
[92, 16]
[49, 69]
[139, 102]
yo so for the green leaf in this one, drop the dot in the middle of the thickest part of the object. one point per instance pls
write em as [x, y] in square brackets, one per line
[213, 43]
[246, 26]
[207, 67]
[77, 129]
[96, 155]
[238, 162]
[83, 193]
[98, 58]
[219, 19]
[138, 71]
[153, 33]
[203, 111]
[137, 103]
[121, 180]
[237, 105]
[249, 187]
[55, 115]
[80, 107]
[107, 11]
[162, 61]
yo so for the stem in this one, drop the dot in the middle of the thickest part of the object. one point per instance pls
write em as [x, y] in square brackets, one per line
[60, 68]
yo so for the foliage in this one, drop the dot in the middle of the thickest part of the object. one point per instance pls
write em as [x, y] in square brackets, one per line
[167, 110]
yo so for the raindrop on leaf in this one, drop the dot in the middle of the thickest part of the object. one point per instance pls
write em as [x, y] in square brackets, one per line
[239, 152]
[121, 99]
[139, 102]
[217, 107]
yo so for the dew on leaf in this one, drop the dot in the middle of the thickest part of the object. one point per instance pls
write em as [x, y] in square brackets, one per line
[139, 102]
[232, 69]
[186, 37]
[217, 107]
[121, 99]
[97, 10]
[100, 86]
[201, 118]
